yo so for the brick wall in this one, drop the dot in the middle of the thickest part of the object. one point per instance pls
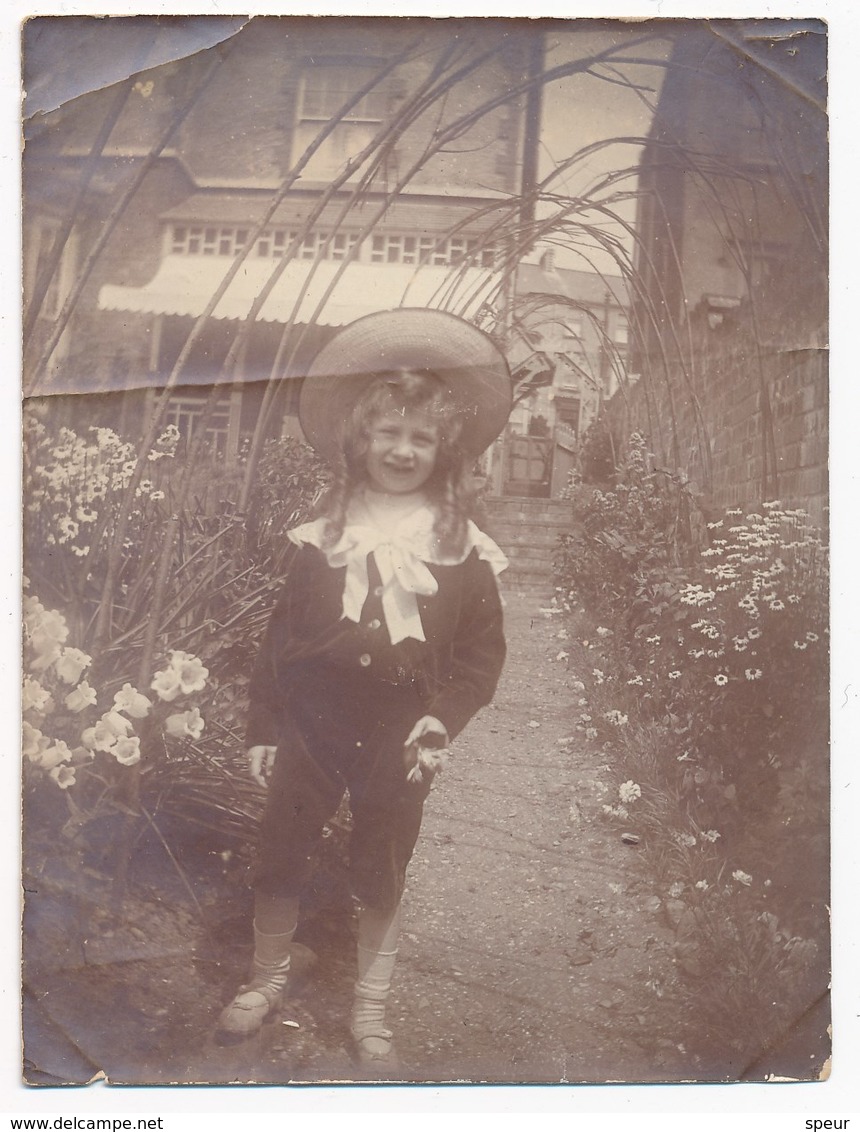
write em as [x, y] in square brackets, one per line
[744, 425]
[244, 127]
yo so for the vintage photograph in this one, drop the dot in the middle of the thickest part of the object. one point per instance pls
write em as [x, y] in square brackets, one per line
[425, 515]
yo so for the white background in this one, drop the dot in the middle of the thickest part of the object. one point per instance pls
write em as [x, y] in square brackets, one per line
[773, 1106]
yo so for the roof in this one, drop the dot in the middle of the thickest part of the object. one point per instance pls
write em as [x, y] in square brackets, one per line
[184, 285]
[582, 286]
[409, 215]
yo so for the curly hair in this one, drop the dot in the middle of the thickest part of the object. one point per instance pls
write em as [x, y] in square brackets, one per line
[448, 486]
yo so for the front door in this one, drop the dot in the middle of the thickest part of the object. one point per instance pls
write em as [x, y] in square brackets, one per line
[528, 465]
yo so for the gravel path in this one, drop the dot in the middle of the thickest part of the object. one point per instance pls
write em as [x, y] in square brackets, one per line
[527, 952]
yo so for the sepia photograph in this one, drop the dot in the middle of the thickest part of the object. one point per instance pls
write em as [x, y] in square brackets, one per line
[425, 451]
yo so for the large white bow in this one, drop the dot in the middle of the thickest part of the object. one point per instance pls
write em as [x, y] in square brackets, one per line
[401, 555]
[402, 573]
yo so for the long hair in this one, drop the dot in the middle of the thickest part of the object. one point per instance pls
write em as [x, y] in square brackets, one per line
[448, 487]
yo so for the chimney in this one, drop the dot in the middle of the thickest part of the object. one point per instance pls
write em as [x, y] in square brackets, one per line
[547, 260]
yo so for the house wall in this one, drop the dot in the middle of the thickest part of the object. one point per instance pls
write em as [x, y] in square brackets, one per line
[240, 134]
[730, 293]
[244, 128]
[744, 428]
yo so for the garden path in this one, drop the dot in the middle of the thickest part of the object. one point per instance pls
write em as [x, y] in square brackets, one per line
[528, 952]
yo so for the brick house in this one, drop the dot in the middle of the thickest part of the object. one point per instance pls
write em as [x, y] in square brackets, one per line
[568, 351]
[729, 309]
[411, 143]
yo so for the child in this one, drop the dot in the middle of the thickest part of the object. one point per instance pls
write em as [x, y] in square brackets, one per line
[386, 640]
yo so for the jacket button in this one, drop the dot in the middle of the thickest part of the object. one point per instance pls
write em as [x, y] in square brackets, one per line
[375, 624]
[379, 591]
[364, 659]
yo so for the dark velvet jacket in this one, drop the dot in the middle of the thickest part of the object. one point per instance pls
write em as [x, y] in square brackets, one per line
[455, 671]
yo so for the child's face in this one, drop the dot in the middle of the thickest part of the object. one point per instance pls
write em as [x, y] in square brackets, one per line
[402, 452]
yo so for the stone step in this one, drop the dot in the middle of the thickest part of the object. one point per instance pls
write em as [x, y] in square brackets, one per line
[529, 573]
[528, 531]
[540, 592]
[524, 510]
[525, 536]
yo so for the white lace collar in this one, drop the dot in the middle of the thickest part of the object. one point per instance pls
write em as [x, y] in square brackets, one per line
[401, 552]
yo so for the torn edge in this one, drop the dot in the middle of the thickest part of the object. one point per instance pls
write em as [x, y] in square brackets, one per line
[139, 43]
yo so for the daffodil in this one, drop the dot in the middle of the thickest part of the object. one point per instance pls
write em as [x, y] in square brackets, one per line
[58, 752]
[83, 696]
[33, 741]
[71, 664]
[63, 775]
[126, 750]
[132, 702]
[35, 697]
[45, 630]
[185, 723]
[166, 684]
[190, 670]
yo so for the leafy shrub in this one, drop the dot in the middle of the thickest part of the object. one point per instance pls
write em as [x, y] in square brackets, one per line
[708, 694]
[87, 727]
[290, 479]
[627, 546]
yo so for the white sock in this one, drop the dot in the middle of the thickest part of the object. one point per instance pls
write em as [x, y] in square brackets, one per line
[378, 934]
[271, 965]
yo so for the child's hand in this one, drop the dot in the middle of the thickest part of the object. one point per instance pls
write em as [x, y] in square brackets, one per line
[426, 748]
[261, 760]
[428, 732]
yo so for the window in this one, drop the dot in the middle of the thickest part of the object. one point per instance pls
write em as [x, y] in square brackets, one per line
[342, 245]
[185, 411]
[207, 240]
[327, 86]
[443, 252]
[621, 335]
[567, 412]
[40, 241]
[272, 243]
[322, 243]
[562, 335]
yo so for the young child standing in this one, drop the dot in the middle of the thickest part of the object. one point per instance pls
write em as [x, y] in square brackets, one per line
[386, 640]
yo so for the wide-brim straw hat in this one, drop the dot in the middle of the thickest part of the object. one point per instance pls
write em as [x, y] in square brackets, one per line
[465, 359]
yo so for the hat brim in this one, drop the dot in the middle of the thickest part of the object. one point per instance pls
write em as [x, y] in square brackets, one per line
[465, 359]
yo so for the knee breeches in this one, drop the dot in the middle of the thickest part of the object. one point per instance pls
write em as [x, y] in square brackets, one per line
[339, 735]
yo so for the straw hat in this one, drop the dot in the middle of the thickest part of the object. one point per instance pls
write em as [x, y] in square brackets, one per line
[466, 359]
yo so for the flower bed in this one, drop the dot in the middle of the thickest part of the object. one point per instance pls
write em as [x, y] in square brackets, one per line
[707, 691]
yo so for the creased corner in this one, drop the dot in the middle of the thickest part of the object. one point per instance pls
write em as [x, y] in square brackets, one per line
[65, 57]
[51, 1058]
[787, 67]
